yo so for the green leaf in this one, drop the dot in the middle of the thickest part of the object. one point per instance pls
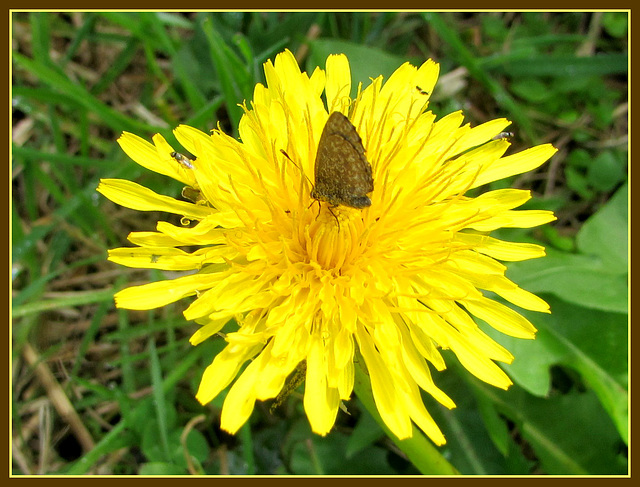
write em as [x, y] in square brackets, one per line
[605, 234]
[577, 182]
[494, 27]
[469, 445]
[557, 240]
[152, 444]
[579, 158]
[196, 445]
[606, 171]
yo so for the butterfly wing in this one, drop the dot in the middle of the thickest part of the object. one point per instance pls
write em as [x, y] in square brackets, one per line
[342, 172]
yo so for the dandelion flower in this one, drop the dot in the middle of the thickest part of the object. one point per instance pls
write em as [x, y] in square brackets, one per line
[311, 283]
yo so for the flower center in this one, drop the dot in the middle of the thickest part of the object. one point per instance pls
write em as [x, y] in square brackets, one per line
[334, 237]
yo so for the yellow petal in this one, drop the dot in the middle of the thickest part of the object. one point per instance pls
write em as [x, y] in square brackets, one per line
[499, 249]
[501, 318]
[156, 157]
[161, 293]
[223, 370]
[137, 197]
[391, 409]
[519, 163]
[514, 219]
[321, 402]
[338, 86]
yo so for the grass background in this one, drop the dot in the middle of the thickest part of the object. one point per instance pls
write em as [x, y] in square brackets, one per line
[97, 390]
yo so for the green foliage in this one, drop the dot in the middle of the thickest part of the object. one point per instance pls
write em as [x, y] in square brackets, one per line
[81, 78]
[615, 23]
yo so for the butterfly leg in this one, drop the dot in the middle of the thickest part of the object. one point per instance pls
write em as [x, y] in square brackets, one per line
[328, 208]
[334, 215]
[319, 207]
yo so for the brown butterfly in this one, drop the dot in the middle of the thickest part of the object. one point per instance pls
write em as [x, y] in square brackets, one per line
[342, 173]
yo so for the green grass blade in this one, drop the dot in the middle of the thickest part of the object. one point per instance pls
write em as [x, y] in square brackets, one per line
[159, 398]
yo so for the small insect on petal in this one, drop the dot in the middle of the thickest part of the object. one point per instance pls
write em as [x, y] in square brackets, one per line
[504, 135]
[182, 159]
[421, 91]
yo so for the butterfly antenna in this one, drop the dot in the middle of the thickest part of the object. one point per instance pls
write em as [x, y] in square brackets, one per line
[312, 185]
[302, 172]
[299, 168]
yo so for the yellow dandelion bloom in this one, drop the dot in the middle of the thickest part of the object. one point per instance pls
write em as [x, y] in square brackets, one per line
[390, 284]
